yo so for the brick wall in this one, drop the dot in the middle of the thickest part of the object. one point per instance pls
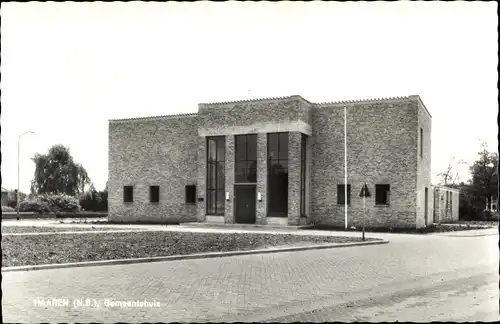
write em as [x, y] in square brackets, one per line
[423, 165]
[381, 149]
[154, 151]
[446, 211]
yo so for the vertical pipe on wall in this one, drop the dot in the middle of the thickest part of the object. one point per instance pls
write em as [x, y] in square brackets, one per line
[345, 165]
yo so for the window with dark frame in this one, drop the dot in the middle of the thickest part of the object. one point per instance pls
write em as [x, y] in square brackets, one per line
[421, 143]
[216, 151]
[277, 172]
[382, 194]
[154, 194]
[303, 153]
[341, 194]
[190, 194]
[245, 158]
[128, 194]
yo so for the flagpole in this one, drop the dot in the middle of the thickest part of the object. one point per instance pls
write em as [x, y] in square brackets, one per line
[345, 164]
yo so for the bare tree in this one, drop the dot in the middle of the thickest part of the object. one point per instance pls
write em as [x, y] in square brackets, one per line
[450, 177]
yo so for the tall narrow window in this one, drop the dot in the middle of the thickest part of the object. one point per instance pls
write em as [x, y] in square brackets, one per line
[421, 142]
[303, 152]
[246, 158]
[128, 194]
[341, 194]
[216, 151]
[154, 194]
[277, 164]
[382, 194]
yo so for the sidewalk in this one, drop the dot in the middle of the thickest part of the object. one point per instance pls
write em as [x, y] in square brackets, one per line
[236, 228]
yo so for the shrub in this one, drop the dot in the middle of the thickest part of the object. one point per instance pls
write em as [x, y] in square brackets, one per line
[34, 206]
[60, 202]
[50, 203]
[95, 201]
[7, 209]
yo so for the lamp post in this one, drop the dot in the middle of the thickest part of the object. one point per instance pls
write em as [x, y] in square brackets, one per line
[18, 149]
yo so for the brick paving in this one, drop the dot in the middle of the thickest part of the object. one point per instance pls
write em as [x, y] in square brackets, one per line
[358, 283]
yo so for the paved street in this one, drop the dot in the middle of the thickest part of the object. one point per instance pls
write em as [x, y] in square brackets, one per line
[414, 278]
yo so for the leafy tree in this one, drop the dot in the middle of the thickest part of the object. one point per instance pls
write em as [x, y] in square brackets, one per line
[484, 176]
[57, 172]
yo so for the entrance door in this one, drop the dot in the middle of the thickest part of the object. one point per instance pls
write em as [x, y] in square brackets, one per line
[425, 206]
[245, 204]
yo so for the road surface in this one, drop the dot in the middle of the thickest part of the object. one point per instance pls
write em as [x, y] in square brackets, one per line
[413, 278]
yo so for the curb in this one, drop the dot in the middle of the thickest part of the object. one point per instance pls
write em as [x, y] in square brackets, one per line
[242, 226]
[469, 235]
[189, 256]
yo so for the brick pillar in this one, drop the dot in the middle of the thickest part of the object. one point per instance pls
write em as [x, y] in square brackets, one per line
[229, 179]
[202, 178]
[261, 206]
[294, 139]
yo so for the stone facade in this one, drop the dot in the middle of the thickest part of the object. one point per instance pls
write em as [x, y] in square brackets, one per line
[383, 147]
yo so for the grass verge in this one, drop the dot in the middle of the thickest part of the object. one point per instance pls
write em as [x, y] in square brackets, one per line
[45, 229]
[434, 228]
[48, 249]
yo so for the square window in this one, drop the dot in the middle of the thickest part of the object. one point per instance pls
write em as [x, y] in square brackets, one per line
[382, 194]
[190, 194]
[341, 194]
[128, 194]
[154, 194]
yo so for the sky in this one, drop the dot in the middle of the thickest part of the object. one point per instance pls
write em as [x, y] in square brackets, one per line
[67, 68]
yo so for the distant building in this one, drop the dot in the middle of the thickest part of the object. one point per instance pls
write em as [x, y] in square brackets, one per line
[275, 161]
[446, 204]
[494, 205]
[5, 196]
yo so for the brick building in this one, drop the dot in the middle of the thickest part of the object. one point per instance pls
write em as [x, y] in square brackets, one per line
[446, 204]
[275, 161]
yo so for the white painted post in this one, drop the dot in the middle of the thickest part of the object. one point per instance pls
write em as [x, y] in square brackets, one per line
[364, 215]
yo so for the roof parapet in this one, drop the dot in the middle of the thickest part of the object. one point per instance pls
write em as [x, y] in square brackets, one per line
[362, 101]
[153, 117]
[249, 101]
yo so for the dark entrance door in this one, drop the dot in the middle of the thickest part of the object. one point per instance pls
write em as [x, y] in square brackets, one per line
[245, 204]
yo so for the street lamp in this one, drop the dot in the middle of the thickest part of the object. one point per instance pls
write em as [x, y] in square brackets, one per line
[18, 149]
